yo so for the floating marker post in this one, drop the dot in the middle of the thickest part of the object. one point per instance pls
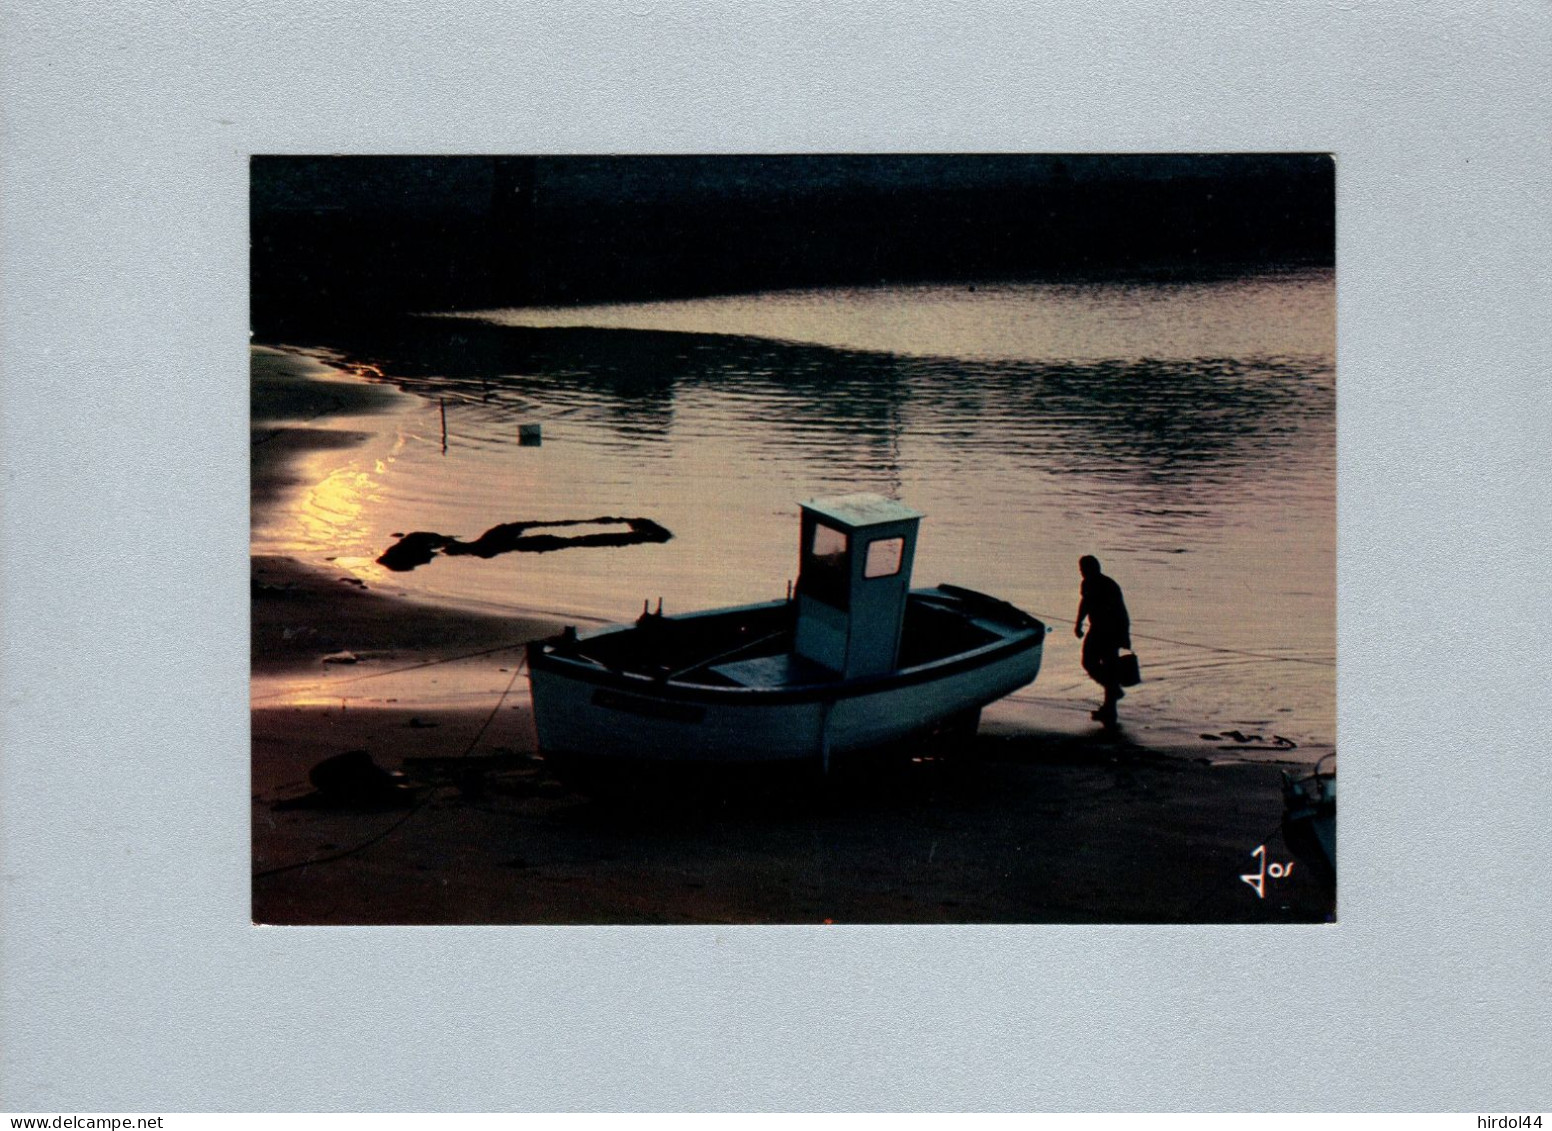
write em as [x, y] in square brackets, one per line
[530, 435]
[442, 403]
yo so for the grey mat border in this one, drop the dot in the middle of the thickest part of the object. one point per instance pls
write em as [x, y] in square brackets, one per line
[129, 978]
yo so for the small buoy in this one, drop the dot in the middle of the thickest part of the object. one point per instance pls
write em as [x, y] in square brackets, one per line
[530, 435]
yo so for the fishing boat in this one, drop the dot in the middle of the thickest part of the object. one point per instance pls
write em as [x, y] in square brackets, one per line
[853, 660]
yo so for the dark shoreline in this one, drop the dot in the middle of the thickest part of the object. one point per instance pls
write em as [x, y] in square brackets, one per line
[1037, 829]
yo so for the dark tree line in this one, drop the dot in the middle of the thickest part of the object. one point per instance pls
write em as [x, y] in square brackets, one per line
[339, 241]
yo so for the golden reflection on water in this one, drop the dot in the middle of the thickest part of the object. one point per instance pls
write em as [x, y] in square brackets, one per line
[330, 513]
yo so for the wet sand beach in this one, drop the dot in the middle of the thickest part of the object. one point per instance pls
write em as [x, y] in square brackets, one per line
[1041, 818]
[1038, 829]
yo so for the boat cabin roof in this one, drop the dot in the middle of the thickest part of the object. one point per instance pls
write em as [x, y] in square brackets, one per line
[855, 511]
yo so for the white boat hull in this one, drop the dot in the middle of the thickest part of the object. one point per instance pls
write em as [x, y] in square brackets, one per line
[573, 718]
[585, 713]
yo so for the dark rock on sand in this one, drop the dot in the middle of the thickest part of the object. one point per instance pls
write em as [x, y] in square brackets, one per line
[353, 781]
[419, 547]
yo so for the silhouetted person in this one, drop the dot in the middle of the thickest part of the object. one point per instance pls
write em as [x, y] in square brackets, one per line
[1110, 630]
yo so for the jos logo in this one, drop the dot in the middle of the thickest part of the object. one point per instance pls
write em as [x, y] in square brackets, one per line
[1274, 871]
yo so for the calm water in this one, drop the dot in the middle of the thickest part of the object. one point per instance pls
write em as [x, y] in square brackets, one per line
[1184, 433]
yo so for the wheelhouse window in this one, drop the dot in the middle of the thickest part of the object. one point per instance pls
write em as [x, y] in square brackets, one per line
[883, 558]
[827, 543]
[824, 573]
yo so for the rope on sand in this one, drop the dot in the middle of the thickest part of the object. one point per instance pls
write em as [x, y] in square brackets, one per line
[1215, 648]
[385, 833]
[408, 668]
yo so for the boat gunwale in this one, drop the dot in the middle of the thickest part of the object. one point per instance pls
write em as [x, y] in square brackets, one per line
[1019, 639]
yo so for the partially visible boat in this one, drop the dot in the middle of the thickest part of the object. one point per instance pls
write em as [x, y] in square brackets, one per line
[1309, 819]
[855, 660]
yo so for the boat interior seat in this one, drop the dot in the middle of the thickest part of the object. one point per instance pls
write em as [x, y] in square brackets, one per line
[782, 670]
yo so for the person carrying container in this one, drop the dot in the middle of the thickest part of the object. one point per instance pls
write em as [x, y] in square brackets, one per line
[1110, 629]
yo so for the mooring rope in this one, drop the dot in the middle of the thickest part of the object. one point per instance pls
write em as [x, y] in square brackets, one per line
[421, 804]
[1049, 618]
[400, 671]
